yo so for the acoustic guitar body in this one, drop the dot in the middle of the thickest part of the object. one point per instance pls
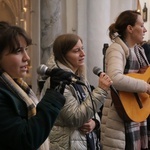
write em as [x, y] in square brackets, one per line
[128, 108]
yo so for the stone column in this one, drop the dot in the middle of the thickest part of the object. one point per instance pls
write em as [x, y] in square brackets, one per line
[35, 52]
[94, 18]
[97, 14]
[50, 26]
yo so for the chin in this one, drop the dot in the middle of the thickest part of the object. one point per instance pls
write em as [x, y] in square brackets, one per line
[23, 75]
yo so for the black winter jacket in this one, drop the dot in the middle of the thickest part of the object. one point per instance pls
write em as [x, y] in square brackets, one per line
[17, 132]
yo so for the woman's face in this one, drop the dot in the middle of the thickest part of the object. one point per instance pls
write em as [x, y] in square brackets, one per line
[138, 30]
[16, 64]
[76, 56]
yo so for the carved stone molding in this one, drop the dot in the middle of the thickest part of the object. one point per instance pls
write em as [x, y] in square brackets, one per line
[17, 9]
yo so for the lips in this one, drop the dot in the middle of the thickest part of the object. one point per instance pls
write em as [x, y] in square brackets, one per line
[81, 59]
[24, 68]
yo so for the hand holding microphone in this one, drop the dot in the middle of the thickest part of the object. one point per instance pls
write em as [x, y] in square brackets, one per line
[104, 80]
[59, 77]
[58, 81]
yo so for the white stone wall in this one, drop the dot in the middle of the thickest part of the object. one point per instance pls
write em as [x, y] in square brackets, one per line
[88, 18]
[94, 18]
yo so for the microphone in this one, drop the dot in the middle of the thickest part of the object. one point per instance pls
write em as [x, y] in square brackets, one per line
[44, 70]
[97, 71]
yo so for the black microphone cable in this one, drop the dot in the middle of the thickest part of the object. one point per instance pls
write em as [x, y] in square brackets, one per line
[94, 116]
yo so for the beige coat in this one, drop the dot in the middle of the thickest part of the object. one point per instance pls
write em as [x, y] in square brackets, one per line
[113, 134]
[65, 134]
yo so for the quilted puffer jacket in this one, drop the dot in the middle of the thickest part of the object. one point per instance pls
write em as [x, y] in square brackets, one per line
[112, 127]
[65, 134]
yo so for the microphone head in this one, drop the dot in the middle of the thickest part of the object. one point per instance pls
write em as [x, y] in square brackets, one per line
[97, 70]
[41, 70]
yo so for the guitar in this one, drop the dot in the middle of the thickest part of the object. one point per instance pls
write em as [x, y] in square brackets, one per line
[133, 106]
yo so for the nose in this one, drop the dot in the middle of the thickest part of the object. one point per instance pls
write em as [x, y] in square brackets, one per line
[145, 30]
[82, 53]
[26, 56]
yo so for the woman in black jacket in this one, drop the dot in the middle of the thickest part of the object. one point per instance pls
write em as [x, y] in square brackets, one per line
[25, 123]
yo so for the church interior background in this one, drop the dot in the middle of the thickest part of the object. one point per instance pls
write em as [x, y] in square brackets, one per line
[44, 20]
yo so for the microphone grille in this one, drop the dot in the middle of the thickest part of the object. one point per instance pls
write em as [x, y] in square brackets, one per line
[96, 70]
[42, 69]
